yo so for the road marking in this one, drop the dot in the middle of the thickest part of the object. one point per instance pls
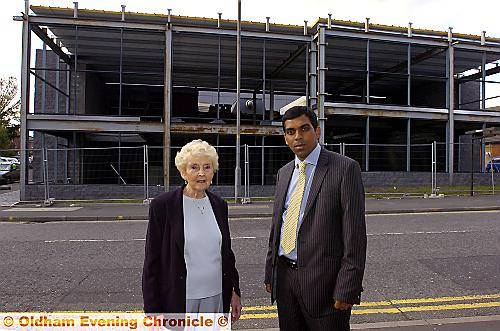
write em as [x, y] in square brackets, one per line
[358, 309]
[113, 240]
[53, 209]
[265, 237]
[260, 218]
[433, 212]
[91, 240]
[400, 301]
[424, 232]
[398, 310]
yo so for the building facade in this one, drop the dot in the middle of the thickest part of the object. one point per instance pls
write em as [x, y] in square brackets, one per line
[107, 92]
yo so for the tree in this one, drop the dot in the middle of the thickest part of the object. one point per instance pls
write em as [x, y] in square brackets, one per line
[9, 112]
[9, 109]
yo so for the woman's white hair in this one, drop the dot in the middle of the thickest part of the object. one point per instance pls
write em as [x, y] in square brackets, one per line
[196, 147]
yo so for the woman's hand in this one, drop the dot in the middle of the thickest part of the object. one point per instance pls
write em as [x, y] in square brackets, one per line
[235, 307]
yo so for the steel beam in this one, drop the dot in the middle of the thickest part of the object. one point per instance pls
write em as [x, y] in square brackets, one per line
[382, 37]
[486, 48]
[414, 39]
[299, 51]
[249, 34]
[491, 71]
[39, 122]
[53, 46]
[69, 123]
[226, 129]
[49, 83]
[167, 108]
[385, 111]
[50, 21]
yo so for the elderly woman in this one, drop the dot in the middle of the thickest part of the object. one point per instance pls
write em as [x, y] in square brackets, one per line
[189, 265]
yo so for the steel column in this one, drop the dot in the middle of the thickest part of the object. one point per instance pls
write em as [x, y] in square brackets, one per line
[121, 75]
[167, 108]
[447, 145]
[271, 101]
[218, 76]
[56, 160]
[25, 100]
[368, 71]
[313, 74]
[262, 161]
[307, 77]
[408, 83]
[451, 108]
[264, 80]
[44, 78]
[237, 169]
[58, 73]
[321, 83]
[75, 82]
[67, 106]
[408, 145]
[367, 144]
[483, 81]
[483, 151]
[68, 88]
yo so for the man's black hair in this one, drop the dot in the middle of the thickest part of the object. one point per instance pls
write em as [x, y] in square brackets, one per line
[297, 111]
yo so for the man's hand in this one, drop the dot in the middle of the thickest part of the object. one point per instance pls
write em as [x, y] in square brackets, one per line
[269, 289]
[340, 305]
[235, 307]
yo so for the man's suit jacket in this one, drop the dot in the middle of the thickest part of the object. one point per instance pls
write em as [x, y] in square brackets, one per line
[331, 243]
[164, 272]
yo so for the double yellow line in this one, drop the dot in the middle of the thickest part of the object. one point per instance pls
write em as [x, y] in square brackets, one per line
[396, 306]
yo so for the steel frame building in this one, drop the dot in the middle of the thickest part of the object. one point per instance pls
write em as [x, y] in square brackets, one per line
[103, 76]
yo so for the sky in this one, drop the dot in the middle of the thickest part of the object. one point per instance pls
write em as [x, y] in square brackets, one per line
[470, 17]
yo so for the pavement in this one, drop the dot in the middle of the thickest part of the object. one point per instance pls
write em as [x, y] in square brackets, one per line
[61, 211]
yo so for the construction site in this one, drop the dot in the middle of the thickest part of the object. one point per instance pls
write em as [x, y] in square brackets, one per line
[109, 97]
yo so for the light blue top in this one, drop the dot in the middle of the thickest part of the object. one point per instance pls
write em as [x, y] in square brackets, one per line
[202, 249]
[311, 161]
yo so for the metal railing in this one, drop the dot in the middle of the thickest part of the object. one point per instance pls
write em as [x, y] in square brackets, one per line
[137, 172]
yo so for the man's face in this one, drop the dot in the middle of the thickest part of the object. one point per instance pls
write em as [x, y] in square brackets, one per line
[300, 136]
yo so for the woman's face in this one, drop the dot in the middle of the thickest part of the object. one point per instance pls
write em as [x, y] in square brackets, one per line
[199, 173]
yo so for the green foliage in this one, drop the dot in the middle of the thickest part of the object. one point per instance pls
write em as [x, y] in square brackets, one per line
[4, 138]
[9, 109]
[9, 112]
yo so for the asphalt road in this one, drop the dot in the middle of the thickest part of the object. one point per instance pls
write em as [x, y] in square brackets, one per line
[419, 266]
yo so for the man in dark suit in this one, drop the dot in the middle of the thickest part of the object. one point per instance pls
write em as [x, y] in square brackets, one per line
[317, 245]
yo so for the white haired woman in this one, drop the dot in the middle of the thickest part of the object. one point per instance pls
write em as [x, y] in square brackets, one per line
[189, 265]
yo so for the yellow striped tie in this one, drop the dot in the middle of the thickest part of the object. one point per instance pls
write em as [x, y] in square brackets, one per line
[289, 235]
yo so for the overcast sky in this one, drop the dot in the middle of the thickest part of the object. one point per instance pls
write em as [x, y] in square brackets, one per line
[464, 16]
